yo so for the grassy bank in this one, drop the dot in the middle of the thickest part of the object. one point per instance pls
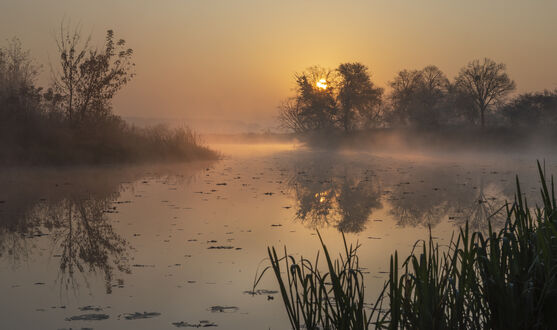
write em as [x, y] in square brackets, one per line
[502, 279]
[72, 121]
[42, 139]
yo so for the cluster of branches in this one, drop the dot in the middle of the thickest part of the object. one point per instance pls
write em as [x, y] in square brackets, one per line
[85, 79]
[72, 120]
[88, 78]
[347, 99]
[343, 98]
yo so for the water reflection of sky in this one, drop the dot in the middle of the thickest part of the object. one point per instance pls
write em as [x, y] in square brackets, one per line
[185, 240]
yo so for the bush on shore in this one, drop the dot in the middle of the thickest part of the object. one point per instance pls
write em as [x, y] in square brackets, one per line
[72, 122]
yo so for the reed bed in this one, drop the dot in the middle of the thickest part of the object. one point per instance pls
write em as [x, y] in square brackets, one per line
[503, 279]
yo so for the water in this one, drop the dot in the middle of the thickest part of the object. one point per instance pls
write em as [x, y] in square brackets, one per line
[154, 247]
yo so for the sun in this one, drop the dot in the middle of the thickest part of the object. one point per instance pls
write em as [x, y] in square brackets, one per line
[321, 84]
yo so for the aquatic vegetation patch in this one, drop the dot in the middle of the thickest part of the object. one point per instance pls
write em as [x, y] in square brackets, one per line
[138, 315]
[223, 309]
[200, 324]
[90, 308]
[88, 317]
[223, 247]
[260, 292]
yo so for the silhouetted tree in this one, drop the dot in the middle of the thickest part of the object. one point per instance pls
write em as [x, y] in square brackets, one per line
[318, 105]
[18, 94]
[403, 88]
[458, 107]
[532, 109]
[418, 97]
[88, 78]
[326, 99]
[486, 82]
[358, 98]
[314, 106]
[291, 116]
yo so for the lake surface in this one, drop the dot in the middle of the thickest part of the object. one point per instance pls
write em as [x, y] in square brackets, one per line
[157, 247]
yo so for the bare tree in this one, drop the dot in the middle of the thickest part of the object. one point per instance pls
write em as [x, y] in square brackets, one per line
[486, 82]
[291, 117]
[434, 80]
[88, 78]
[72, 54]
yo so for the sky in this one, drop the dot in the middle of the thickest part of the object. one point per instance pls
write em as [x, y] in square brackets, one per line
[226, 65]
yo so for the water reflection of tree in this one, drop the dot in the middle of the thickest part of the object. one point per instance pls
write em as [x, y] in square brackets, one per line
[443, 194]
[341, 195]
[344, 191]
[72, 208]
[17, 224]
[80, 233]
[358, 197]
[86, 240]
[487, 206]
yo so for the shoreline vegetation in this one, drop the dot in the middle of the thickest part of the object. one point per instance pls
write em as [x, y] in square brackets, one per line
[423, 109]
[444, 139]
[476, 109]
[391, 139]
[500, 279]
[72, 122]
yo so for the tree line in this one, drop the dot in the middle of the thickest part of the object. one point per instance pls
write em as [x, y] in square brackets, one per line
[346, 99]
[72, 120]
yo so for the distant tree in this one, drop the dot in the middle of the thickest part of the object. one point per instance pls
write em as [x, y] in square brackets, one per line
[358, 98]
[314, 106]
[532, 109]
[88, 78]
[458, 107]
[486, 82]
[327, 99]
[18, 94]
[404, 87]
[434, 80]
[434, 92]
[291, 116]
[418, 97]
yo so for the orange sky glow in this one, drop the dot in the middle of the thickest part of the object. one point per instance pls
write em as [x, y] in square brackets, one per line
[235, 60]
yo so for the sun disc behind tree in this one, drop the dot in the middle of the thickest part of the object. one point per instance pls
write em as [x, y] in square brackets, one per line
[321, 84]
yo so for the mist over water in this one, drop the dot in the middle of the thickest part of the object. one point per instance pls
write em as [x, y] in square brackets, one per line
[135, 245]
[191, 164]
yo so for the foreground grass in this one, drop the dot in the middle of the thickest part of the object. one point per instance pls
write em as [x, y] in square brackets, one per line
[505, 279]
